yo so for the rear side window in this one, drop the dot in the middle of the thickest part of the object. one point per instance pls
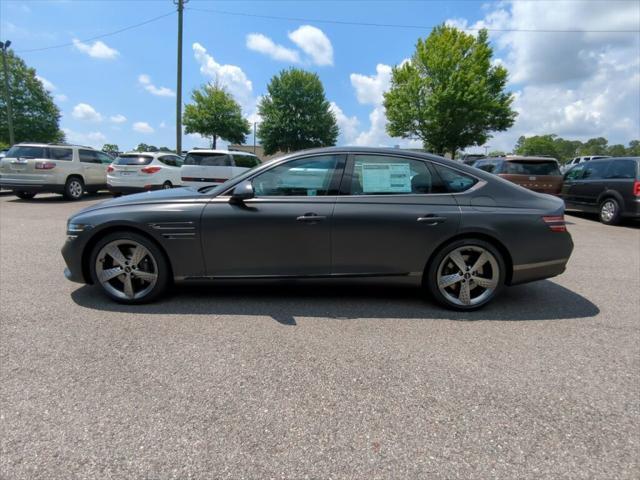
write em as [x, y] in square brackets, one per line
[515, 167]
[487, 166]
[623, 169]
[61, 154]
[208, 159]
[452, 181]
[89, 156]
[595, 170]
[389, 175]
[133, 160]
[246, 161]
[104, 158]
[26, 152]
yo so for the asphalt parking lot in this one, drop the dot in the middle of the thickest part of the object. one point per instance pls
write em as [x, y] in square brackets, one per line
[315, 381]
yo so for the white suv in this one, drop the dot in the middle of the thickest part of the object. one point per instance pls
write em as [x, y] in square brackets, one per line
[140, 171]
[31, 168]
[212, 167]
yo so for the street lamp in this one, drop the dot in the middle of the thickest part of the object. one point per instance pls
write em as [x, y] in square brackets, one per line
[4, 46]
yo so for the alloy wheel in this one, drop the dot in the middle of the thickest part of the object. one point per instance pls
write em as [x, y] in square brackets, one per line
[608, 211]
[468, 275]
[75, 189]
[126, 269]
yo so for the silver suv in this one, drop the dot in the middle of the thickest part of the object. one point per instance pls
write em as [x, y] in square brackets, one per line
[72, 170]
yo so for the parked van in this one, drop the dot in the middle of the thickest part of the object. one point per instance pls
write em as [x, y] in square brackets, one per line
[212, 167]
[540, 174]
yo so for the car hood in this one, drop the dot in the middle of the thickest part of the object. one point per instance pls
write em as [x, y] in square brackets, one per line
[182, 194]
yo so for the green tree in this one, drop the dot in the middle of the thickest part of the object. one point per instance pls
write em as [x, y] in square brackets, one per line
[214, 113]
[110, 148]
[634, 148]
[143, 147]
[296, 114]
[594, 146]
[537, 145]
[166, 149]
[617, 150]
[35, 116]
[449, 94]
[496, 153]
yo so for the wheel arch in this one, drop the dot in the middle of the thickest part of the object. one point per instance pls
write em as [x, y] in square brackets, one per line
[86, 253]
[610, 193]
[476, 236]
[77, 175]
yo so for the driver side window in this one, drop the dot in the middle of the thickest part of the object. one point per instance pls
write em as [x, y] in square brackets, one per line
[575, 173]
[308, 177]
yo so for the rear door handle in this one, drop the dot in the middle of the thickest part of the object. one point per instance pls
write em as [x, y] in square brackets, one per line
[432, 219]
[310, 217]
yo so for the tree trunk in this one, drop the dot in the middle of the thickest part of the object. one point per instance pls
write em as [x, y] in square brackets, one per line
[214, 141]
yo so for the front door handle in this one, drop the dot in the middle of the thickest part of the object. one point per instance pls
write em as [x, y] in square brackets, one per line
[311, 217]
[432, 219]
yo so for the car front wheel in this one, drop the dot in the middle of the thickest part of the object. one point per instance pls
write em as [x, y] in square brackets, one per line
[610, 212]
[129, 268]
[74, 188]
[466, 275]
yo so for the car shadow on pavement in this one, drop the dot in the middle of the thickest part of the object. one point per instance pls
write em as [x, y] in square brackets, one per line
[544, 300]
[45, 198]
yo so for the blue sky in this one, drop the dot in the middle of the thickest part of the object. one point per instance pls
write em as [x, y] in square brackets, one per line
[121, 89]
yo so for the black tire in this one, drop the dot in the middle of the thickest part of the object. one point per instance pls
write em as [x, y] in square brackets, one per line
[163, 270]
[167, 185]
[483, 296]
[25, 195]
[73, 188]
[609, 212]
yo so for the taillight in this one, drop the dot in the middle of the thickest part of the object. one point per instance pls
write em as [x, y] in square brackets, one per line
[636, 188]
[110, 169]
[150, 169]
[555, 223]
[45, 165]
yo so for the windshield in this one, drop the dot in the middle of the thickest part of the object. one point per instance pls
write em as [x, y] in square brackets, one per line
[26, 152]
[531, 168]
[218, 189]
[133, 160]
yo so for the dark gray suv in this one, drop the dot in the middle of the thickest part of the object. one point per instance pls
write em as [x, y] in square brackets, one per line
[608, 186]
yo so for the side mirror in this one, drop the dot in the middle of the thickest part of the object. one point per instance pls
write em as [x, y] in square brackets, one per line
[241, 192]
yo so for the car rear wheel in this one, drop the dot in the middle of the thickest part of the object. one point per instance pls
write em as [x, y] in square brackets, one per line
[167, 185]
[610, 212]
[129, 268]
[74, 188]
[25, 195]
[466, 275]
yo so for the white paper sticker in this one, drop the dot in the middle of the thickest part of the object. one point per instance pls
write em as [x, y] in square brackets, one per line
[386, 178]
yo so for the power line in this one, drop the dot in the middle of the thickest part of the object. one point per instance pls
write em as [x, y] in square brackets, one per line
[396, 25]
[115, 32]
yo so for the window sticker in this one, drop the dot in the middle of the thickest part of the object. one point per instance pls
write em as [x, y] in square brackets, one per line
[386, 178]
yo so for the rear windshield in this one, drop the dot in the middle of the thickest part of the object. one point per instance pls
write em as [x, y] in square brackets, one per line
[246, 161]
[515, 167]
[133, 160]
[26, 152]
[208, 159]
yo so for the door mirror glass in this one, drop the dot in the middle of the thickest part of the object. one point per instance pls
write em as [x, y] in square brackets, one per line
[241, 192]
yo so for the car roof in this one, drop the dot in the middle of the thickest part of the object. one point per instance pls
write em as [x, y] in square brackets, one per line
[153, 154]
[525, 158]
[608, 159]
[39, 144]
[213, 150]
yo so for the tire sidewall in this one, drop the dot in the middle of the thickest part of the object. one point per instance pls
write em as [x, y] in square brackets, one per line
[167, 185]
[158, 254]
[67, 188]
[616, 215]
[431, 281]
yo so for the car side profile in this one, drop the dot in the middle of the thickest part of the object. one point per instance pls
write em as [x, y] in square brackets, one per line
[72, 170]
[461, 233]
[540, 174]
[577, 160]
[136, 172]
[204, 167]
[609, 187]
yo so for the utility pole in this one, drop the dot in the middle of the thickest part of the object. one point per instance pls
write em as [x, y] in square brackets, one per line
[180, 4]
[7, 94]
[254, 138]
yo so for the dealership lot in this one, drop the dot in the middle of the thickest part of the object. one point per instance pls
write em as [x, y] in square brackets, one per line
[315, 381]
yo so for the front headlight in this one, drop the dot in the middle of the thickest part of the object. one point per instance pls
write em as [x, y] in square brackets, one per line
[76, 228]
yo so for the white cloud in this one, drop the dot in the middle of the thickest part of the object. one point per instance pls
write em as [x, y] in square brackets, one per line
[143, 127]
[84, 111]
[314, 43]
[60, 97]
[369, 89]
[229, 76]
[263, 44]
[145, 81]
[98, 49]
[48, 85]
[94, 139]
[119, 118]
[348, 125]
[163, 125]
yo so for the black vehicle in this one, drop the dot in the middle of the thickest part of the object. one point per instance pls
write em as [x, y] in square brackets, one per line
[329, 213]
[608, 186]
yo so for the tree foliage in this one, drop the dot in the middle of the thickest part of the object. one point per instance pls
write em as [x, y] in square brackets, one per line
[143, 147]
[564, 150]
[214, 113]
[110, 148]
[35, 116]
[296, 114]
[449, 94]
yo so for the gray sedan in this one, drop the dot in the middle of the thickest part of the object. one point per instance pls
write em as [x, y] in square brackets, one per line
[460, 233]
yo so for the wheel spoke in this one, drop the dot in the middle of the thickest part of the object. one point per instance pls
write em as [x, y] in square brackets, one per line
[114, 252]
[146, 276]
[485, 282]
[138, 254]
[482, 259]
[128, 287]
[465, 293]
[109, 273]
[449, 280]
[458, 260]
